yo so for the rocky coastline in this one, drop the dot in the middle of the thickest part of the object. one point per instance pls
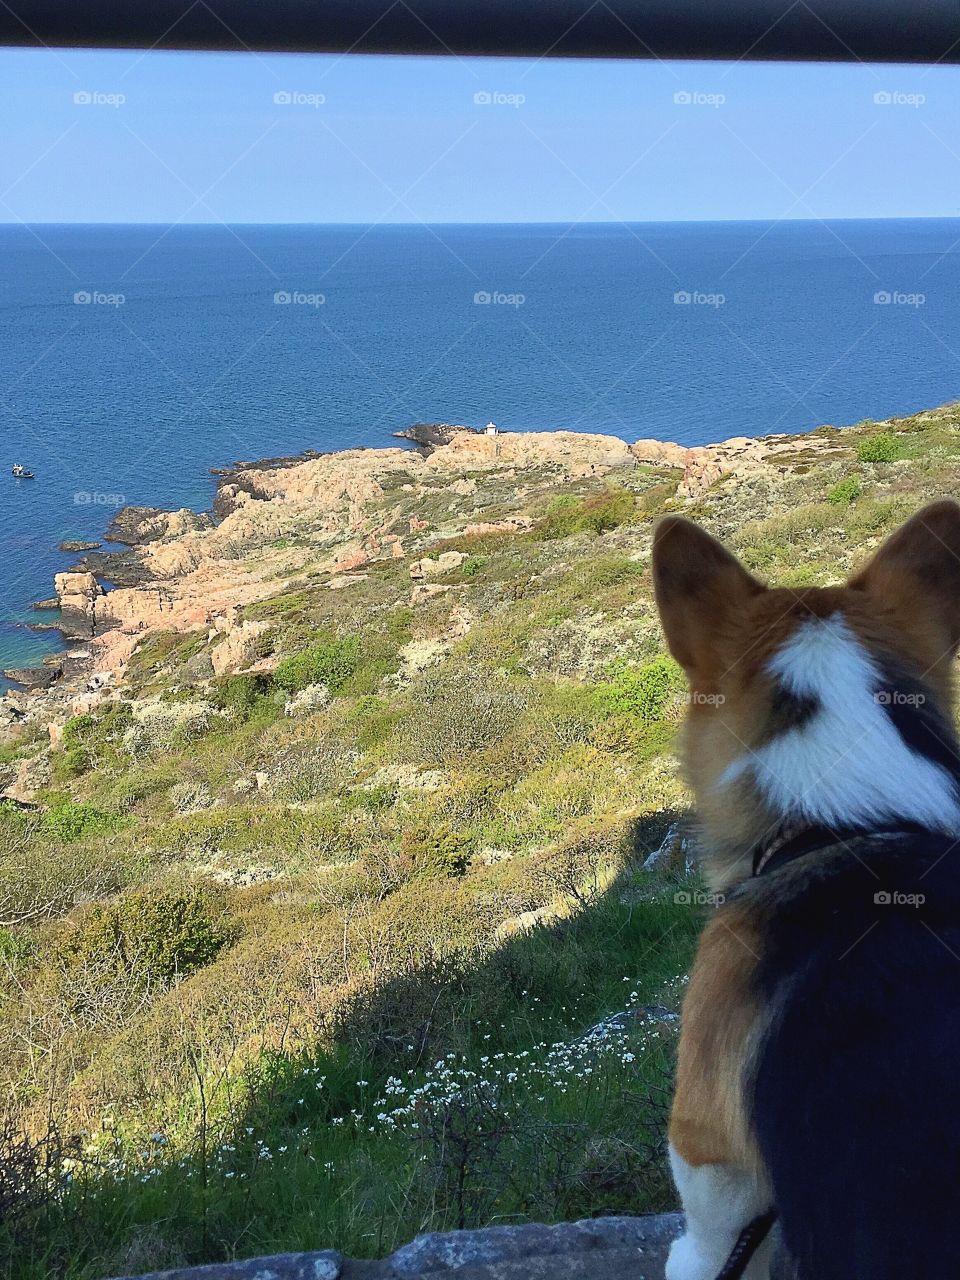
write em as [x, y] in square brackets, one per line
[183, 571]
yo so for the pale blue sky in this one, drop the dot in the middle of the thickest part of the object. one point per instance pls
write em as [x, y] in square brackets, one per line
[200, 137]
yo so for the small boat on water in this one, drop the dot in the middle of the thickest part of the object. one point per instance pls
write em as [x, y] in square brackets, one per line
[20, 473]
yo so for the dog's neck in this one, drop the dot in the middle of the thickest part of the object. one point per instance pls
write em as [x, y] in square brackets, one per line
[870, 749]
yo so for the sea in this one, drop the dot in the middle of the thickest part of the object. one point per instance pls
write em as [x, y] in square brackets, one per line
[135, 358]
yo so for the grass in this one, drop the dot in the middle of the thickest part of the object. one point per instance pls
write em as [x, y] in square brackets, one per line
[247, 928]
[503, 1120]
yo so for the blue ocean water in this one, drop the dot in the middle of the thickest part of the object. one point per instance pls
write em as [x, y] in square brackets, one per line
[134, 358]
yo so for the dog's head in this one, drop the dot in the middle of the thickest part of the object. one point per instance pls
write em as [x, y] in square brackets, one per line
[817, 705]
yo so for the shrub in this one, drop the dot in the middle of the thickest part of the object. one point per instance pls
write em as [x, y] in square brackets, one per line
[845, 491]
[330, 662]
[155, 935]
[70, 763]
[319, 768]
[77, 730]
[138, 783]
[582, 783]
[241, 695]
[43, 877]
[70, 820]
[289, 606]
[309, 700]
[85, 736]
[186, 797]
[597, 514]
[373, 721]
[461, 712]
[436, 851]
[161, 726]
[882, 447]
[642, 693]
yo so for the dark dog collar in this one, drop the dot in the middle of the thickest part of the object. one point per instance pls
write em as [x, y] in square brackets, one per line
[791, 842]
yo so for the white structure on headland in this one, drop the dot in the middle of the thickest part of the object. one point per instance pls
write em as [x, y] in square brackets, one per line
[490, 429]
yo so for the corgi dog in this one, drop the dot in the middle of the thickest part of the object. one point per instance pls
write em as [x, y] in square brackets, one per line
[818, 1070]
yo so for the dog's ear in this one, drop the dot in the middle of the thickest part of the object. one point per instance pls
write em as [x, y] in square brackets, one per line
[916, 572]
[699, 588]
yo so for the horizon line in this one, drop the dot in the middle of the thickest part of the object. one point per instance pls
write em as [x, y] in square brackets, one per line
[526, 222]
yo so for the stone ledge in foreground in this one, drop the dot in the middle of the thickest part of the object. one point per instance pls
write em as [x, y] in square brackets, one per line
[615, 1248]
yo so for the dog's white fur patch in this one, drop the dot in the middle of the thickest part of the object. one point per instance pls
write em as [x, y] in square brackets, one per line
[847, 763]
[719, 1201]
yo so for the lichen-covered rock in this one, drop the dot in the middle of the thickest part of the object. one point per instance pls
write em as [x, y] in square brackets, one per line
[136, 526]
[433, 566]
[612, 1248]
[32, 776]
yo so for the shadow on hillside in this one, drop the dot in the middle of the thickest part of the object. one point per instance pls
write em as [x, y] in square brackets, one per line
[436, 1003]
[304, 1161]
[543, 985]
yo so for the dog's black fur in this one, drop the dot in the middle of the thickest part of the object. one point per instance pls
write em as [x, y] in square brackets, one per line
[856, 1094]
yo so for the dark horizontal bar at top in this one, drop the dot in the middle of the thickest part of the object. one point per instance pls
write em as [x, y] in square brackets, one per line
[818, 30]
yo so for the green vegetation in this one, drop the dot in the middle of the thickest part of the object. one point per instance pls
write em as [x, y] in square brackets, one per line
[303, 956]
[845, 491]
[156, 936]
[330, 661]
[881, 447]
[599, 513]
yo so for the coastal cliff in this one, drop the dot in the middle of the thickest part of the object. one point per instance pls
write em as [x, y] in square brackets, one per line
[333, 515]
[344, 889]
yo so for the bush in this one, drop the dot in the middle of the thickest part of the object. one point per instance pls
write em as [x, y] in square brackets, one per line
[165, 725]
[642, 693]
[187, 797]
[70, 763]
[86, 736]
[155, 935]
[845, 491]
[241, 695]
[597, 514]
[69, 820]
[461, 712]
[317, 768]
[436, 851]
[582, 783]
[139, 783]
[330, 662]
[882, 447]
[42, 877]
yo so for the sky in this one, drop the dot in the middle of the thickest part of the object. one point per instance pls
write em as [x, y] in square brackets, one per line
[91, 136]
